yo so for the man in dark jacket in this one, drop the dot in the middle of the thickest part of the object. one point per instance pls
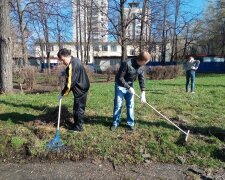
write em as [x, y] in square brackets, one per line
[127, 74]
[76, 81]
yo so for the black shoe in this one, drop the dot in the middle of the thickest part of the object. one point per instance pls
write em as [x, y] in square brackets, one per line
[131, 128]
[113, 128]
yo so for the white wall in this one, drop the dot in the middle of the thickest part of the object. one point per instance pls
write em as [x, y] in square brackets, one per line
[55, 50]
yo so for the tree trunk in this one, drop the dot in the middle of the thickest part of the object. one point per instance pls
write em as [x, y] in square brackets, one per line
[164, 33]
[186, 43]
[46, 32]
[77, 29]
[89, 20]
[80, 31]
[143, 16]
[123, 35]
[58, 33]
[174, 42]
[6, 85]
[85, 32]
[44, 22]
[23, 33]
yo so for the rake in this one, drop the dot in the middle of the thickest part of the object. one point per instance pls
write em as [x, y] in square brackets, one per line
[56, 143]
[186, 133]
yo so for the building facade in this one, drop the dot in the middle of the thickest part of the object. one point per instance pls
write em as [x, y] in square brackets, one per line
[133, 13]
[90, 18]
[102, 54]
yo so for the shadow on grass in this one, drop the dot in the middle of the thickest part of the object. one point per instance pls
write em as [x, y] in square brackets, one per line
[206, 131]
[209, 131]
[36, 91]
[19, 105]
[17, 118]
[219, 153]
[107, 122]
[48, 114]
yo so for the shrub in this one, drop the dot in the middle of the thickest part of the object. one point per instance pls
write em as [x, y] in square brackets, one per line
[25, 76]
[90, 73]
[109, 72]
[59, 77]
[165, 72]
[29, 73]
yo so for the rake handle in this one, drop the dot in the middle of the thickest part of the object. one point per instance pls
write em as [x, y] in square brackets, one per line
[164, 116]
[59, 114]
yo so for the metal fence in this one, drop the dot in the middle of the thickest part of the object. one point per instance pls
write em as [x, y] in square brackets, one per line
[204, 67]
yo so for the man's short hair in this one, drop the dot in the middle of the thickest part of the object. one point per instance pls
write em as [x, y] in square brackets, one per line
[144, 56]
[64, 52]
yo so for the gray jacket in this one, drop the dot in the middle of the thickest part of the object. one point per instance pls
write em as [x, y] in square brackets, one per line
[191, 65]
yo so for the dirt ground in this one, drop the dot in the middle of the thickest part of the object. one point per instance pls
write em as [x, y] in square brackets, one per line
[104, 170]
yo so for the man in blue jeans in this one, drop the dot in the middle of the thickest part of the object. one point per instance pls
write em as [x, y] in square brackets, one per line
[190, 66]
[127, 74]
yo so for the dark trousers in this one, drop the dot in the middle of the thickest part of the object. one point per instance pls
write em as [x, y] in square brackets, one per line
[190, 75]
[78, 110]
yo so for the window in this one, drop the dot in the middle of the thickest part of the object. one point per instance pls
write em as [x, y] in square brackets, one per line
[52, 48]
[43, 47]
[96, 48]
[134, 15]
[113, 48]
[132, 52]
[104, 47]
[77, 47]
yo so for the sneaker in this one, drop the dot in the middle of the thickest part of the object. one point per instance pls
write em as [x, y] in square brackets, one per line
[192, 92]
[76, 130]
[113, 128]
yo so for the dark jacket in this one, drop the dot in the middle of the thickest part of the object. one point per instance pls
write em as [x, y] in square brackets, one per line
[76, 78]
[128, 73]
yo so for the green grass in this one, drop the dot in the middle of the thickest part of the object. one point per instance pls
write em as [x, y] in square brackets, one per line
[202, 113]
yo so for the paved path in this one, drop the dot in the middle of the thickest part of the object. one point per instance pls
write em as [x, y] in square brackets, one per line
[89, 170]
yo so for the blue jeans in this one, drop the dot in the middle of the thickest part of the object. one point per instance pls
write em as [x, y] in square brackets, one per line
[120, 94]
[190, 74]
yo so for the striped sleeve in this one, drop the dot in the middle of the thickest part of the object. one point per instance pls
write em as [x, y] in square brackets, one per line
[67, 87]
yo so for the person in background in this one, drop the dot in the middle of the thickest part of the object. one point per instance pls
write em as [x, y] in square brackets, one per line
[76, 81]
[190, 66]
[127, 74]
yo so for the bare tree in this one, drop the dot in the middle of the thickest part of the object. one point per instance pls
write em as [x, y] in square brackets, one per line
[174, 36]
[89, 28]
[22, 27]
[80, 29]
[123, 30]
[45, 26]
[210, 31]
[5, 49]
[143, 18]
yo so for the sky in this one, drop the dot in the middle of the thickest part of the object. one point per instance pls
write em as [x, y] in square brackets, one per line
[196, 6]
